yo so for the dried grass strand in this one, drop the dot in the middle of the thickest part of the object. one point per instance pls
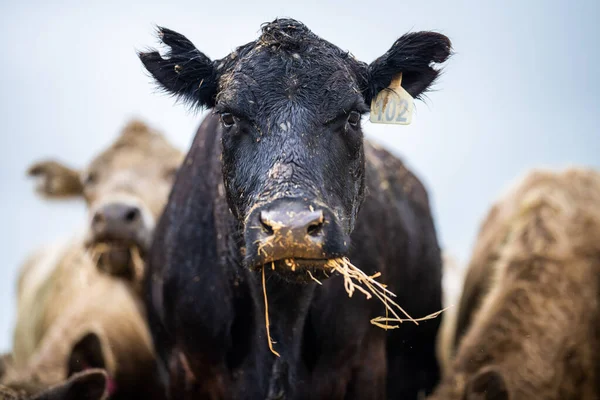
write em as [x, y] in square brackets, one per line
[137, 262]
[97, 251]
[355, 279]
[264, 285]
[313, 278]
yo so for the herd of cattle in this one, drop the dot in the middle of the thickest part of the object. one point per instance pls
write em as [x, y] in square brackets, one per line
[163, 296]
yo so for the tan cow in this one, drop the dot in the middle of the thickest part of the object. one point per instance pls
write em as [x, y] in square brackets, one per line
[125, 188]
[528, 323]
[77, 310]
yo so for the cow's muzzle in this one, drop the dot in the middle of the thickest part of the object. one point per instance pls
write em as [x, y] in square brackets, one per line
[120, 230]
[293, 236]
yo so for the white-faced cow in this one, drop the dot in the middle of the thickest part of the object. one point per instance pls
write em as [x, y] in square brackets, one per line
[72, 306]
[528, 323]
[274, 182]
[125, 188]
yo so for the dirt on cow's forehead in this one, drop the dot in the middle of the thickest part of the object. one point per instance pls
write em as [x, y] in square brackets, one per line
[287, 34]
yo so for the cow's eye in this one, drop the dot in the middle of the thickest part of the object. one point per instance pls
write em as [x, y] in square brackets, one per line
[171, 173]
[90, 178]
[227, 120]
[354, 118]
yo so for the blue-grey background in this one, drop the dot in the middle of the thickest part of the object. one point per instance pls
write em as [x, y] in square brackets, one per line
[522, 91]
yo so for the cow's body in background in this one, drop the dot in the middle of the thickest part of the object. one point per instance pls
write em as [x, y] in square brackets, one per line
[71, 316]
[78, 303]
[527, 326]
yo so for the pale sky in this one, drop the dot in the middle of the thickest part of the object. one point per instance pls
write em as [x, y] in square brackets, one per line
[521, 92]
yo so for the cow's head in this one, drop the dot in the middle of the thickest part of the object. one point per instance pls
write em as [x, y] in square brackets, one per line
[125, 188]
[90, 385]
[290, 105]
[84, 376]
[486, 383]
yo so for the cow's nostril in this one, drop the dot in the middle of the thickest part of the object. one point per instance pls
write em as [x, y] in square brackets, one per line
[267, 228]
[132, 215]
[315, 229]
[98, 218]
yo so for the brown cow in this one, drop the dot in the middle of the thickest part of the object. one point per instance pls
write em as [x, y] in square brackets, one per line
[528, 320]
[73, 315]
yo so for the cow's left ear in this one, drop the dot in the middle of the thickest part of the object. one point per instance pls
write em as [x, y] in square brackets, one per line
[90, 385]
[412, 55]
[56, 180]
[184, 72]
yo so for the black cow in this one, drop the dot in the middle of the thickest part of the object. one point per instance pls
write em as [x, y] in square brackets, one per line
[275, 178]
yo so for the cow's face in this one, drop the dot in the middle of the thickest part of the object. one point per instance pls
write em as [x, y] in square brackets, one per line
[290, 105]
[125, 188]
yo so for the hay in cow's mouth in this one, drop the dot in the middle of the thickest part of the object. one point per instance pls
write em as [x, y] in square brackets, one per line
[354, 279]
[296, 270]
[299, 265]
[118, 259]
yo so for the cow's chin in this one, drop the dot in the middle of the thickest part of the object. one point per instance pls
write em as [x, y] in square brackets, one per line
[298, 270]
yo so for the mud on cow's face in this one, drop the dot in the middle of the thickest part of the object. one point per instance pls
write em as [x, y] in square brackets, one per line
[125, 188]
[290, 105]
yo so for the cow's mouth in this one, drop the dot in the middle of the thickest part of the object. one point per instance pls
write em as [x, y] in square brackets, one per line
[121, 259]
[300, 270]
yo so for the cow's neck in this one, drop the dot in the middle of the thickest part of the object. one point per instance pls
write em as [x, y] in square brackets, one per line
[288, 307]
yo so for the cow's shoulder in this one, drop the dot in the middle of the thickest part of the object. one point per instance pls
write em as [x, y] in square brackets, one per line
[387, 173]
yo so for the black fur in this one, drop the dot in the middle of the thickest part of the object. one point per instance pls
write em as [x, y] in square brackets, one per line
[185, 72]
[285, 101]
[412, 55]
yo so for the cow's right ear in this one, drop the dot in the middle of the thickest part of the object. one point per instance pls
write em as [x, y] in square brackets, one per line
[56, 180]
[487, 384]
[90, 385]
[184, 72]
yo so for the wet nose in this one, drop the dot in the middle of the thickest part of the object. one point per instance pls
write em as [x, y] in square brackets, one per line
[116, 221]
[293, 229]
[297, 226]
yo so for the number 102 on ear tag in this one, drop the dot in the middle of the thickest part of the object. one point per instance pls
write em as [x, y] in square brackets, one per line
[393, 105]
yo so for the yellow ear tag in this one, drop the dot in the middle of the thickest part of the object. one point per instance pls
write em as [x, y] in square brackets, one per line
[393, 105]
